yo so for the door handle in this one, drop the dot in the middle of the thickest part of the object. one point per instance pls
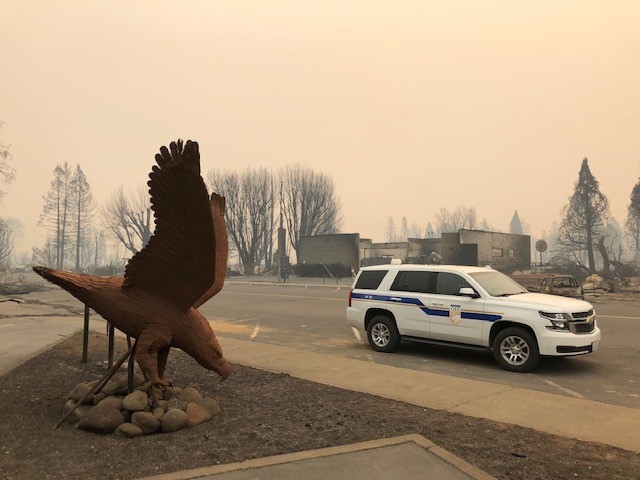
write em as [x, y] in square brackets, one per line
[438, 304]
[396, 299]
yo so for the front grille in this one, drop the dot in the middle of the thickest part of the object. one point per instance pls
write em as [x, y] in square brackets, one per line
[586, 314]
[582, 327]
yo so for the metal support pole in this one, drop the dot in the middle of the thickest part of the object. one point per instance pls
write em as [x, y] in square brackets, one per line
[111, 331]
[131, 365]
[99, 386]
[85, 334]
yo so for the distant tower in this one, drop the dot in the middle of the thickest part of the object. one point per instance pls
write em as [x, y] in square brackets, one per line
[281, 257]
[516, 225]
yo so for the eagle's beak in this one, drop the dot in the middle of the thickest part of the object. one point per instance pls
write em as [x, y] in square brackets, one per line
[223, 369]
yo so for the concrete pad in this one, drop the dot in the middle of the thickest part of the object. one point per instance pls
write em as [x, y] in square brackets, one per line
[408, 457]
[418, 388]
[568, 417]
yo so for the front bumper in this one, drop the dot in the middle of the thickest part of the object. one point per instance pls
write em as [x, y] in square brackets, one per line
[564, 343]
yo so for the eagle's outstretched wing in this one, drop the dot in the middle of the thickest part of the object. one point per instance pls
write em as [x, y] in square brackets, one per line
[178, 263]
[217, 204]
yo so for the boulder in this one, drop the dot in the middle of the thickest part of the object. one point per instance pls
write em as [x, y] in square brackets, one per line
[113, 402]
[197, 414]
[211, 405]
[78, 413]
[102, 420]
[190, 394]
[147, 422]
[136, 401]
[123, 380]
[158, 413]
[176, 403]
[110, 388]
[171, 392]
[128, 430]
[174, 420]
[80, 391]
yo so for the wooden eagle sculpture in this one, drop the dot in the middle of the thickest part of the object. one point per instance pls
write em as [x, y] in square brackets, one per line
[182, 266]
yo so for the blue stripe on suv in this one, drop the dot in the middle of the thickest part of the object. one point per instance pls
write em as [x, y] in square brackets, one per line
[487, 317]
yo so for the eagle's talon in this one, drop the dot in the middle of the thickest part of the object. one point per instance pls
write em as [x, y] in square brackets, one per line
[160, 382]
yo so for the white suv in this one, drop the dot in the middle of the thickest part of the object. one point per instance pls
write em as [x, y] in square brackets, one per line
[471, 307]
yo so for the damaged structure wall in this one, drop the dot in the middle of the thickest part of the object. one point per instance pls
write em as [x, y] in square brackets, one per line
[340, 248]
[502, 251]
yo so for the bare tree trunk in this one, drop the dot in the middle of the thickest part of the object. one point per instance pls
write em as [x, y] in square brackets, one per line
[606, 265]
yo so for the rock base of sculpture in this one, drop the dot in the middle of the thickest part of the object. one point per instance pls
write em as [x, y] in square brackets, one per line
[141, 412]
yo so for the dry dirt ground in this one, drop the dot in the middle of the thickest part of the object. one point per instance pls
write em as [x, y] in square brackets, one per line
[263, 414]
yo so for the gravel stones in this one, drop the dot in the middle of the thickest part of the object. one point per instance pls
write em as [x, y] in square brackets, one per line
[128, 416]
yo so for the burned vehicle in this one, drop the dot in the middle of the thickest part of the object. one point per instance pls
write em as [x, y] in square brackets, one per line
[565, 285]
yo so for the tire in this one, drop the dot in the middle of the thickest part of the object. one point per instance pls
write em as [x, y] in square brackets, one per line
[516, 350]
[382, 334]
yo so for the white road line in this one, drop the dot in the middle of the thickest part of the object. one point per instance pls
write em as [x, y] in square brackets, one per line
[356, 332]
[565, 390]
[289, 296]
[616, 316]
[255, 331]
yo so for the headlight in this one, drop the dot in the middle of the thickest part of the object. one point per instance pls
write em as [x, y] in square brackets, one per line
[559, 321]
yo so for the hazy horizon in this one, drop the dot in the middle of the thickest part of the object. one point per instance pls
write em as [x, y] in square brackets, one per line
[409, 106]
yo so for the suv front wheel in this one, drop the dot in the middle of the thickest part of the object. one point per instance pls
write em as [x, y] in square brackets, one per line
[516, 350]
[382, 334]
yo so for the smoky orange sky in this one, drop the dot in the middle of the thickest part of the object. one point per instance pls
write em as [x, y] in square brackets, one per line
[410, 106]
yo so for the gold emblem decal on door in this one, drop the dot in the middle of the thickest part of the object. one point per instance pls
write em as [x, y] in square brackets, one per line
[455, 314]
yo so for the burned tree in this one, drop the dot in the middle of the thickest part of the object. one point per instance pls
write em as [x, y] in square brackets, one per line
[82, 211]
[633, 217]
[128, 218]
[7, 172]
[461, 217]
[56, 212]
[584, 218]
[250, 212]
[310, 204]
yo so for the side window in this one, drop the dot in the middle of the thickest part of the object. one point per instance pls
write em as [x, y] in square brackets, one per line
[450, 284]
[413, 281]
[370, 279]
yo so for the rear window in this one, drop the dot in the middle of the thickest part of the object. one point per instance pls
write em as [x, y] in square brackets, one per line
[413, 281]
[370, 279]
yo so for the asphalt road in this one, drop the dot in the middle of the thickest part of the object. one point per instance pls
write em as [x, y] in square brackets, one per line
[313, 317]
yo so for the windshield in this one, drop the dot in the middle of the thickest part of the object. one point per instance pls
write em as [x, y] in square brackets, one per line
[497, 284]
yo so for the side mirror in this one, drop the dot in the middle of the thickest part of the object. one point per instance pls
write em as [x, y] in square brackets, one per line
[469, 292]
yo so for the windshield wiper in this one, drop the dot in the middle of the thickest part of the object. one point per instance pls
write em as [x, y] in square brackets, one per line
[509, 294]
